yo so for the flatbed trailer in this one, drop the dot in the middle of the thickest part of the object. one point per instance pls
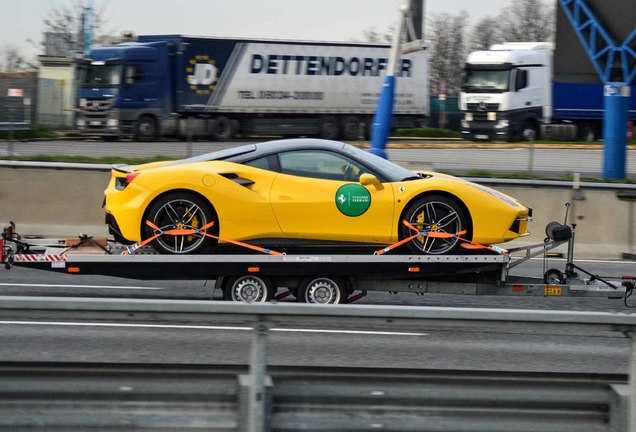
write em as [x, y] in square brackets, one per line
[318, 277]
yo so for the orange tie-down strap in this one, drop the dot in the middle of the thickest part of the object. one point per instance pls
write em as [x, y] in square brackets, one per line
[466, 244]
[192, 231]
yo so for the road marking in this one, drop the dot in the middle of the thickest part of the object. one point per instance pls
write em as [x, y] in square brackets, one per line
[202, 327]
[79, 286]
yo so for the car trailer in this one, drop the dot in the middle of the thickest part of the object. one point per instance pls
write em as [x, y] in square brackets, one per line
[326, 278]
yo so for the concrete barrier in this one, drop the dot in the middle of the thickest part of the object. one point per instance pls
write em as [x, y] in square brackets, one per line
[64, 200]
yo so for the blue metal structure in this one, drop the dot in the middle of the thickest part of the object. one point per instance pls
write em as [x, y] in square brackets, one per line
[616, 66]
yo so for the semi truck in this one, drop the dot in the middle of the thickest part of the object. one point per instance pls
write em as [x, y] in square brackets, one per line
[510, 93]
[158, 85]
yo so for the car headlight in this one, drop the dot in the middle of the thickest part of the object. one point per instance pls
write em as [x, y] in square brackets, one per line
[465, 124]
[492, 116]
[112, 123]
[468, 117]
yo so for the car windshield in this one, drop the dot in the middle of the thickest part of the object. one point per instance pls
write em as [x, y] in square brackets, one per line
[103, 75]
[486, 80]
[390, 170]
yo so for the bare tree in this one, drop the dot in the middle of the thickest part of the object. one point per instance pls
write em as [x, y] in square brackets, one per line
[527, 21]
[11, 60]
[484, 34]
[66, 22]
[447, 50]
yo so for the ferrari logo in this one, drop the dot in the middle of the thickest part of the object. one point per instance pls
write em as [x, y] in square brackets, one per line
[342, 199]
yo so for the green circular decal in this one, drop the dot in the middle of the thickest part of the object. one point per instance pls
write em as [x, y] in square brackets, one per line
[353, 199]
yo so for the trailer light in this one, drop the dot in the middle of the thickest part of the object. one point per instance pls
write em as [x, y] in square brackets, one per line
[73, 269]
[414, 269]
[253, 269]
[468, 117]
[518, 288]
[492, 116]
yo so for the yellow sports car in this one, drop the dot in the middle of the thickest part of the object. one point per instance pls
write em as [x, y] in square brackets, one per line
[317, 191]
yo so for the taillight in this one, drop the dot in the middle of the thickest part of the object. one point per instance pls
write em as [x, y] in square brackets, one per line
[122, 182]
[130, 177]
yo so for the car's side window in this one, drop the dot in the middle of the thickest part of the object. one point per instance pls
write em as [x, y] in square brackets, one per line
[269, 163]
[320, 164]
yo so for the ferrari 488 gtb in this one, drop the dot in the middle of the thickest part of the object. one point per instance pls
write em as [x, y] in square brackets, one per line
[303, 191]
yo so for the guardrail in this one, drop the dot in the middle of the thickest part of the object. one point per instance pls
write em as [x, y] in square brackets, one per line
[352, 398]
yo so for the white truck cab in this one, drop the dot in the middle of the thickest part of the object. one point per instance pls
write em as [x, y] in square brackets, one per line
[506, 93]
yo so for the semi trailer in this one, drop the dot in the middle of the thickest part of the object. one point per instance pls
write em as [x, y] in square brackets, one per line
[153, 86]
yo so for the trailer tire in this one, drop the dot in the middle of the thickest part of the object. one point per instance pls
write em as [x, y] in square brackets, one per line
[224, 129]
[329, 128]
[453, 219]
[248, 289]
[351, 128]
[587, 133]
[322, 290]
[146, 129]
[161, 213]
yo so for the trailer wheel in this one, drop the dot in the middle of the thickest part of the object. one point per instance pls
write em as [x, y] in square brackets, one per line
[553, 277]
[181, 210]
[329, 128]
[224, 129]
[147, 129]
[322, 290]
[434, 213]
[248, 289]
[351, 128]
[587, 133]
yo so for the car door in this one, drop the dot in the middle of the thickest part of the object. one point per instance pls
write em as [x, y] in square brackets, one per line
[318, 195]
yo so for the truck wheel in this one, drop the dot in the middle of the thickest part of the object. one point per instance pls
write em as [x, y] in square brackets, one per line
[351, 128]
[529, 131]
[147, 129]
[180, 210]
[587, 133]
[322, 290]
[434, 213]
[248, 289]
[329, 128]
[224, 130]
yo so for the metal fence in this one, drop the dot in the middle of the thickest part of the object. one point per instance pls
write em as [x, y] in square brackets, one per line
[18, 99]
[294, 399]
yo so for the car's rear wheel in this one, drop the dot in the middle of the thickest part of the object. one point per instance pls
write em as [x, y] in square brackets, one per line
[438, 215]
[181, 211]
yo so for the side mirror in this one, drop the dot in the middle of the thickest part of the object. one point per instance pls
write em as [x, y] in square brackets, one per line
[369, 179]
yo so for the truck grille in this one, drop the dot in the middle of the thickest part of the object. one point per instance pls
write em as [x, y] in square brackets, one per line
[482, 107]
[96, 114]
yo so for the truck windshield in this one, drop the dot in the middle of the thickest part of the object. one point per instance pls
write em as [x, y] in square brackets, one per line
[103, 75]
[486, 80]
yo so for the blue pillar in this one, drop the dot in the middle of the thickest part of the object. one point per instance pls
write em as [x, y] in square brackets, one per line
[383, 118]
[616, 104]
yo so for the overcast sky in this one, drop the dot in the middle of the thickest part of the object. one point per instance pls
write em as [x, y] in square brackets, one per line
[329, 20]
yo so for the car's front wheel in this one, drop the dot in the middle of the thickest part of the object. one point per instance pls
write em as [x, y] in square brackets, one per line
[181, 211]
[438, 215]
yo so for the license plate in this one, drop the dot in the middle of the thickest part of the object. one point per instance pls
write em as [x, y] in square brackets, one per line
[481, 137]
[553, 291]
[96, 123]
